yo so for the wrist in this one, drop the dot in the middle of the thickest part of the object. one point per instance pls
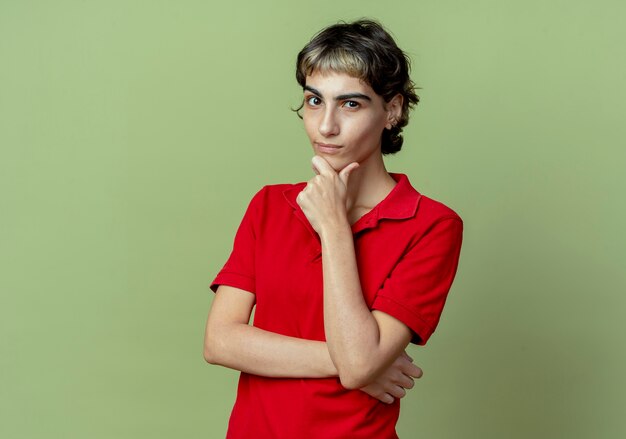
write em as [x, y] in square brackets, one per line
[335, 228]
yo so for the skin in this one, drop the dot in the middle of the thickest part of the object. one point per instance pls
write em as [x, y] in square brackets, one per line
[344, 119]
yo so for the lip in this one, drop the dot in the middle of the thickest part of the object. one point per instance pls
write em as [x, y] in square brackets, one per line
[327, 148]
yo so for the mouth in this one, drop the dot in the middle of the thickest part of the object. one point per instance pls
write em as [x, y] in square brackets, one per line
[327, 148]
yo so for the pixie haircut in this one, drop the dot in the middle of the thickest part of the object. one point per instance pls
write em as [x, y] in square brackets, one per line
[365, 50]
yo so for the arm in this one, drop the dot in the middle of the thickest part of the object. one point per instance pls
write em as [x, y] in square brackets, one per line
[362, 343]
[229, 341]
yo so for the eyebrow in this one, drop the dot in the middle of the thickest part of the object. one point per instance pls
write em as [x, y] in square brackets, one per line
[340, 97]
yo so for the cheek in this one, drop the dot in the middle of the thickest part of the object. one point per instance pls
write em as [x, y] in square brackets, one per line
[368, 131]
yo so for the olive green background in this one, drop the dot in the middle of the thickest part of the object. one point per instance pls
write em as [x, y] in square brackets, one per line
[133, 134]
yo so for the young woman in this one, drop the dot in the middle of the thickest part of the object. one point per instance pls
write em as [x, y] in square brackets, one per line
[344, 270]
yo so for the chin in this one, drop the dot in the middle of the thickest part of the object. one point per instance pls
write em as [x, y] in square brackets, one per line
[335, 162]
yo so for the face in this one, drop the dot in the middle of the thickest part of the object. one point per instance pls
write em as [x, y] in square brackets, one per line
[345, 118]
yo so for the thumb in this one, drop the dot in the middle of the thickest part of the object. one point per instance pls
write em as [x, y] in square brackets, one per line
[345, 172]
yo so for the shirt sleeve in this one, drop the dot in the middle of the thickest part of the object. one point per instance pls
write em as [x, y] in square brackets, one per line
[239, 270]
[416, 289]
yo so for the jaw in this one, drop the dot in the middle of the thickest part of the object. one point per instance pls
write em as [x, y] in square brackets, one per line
[369, 162]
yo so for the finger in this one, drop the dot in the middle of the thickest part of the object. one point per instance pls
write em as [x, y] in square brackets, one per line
[387, 399]
[321, 166]
[406, 382]
[345, 172]
[416, 372]
[397, 392]
[404, 361]
[410, 369]
[407, 356]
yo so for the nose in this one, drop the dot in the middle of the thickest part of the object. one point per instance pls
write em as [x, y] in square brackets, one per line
[329, 125]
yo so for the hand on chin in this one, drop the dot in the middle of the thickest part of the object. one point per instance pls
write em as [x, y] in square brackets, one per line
[335, 162]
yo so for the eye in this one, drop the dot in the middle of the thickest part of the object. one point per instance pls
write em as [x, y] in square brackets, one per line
[351, 104]
[313, 101]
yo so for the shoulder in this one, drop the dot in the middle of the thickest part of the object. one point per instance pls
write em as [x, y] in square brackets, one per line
[275, 196]
[433, 211]
[437, 225]
[411, 217]
[279, 188]
[422, 208]
[435, 220]
[278, 192]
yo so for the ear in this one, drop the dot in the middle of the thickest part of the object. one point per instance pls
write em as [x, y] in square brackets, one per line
[394, 110]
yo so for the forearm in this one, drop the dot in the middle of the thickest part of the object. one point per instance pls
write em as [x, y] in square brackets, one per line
[255, 351]
[352, 332]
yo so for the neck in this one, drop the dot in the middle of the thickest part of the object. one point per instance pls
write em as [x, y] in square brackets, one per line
[369, 184]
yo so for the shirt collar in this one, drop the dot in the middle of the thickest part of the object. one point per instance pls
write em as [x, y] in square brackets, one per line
[400, 203]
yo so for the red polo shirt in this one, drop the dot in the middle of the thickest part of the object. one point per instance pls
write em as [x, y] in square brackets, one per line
[407, 251]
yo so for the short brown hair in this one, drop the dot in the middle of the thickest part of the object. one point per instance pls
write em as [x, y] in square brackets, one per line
[365, 50]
